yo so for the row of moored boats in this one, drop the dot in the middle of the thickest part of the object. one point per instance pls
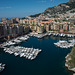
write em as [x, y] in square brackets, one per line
[29, 53]
[62, 35]
[16, 41]
[65, 44]
[39, 36]
[2, 67]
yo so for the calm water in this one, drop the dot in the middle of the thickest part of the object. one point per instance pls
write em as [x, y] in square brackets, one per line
[51, 61]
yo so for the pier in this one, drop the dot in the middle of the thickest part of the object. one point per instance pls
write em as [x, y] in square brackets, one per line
[39, 36]
[15, 41]
[28, 53]
[65, 44]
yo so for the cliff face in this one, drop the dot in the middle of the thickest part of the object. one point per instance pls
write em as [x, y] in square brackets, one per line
[70, 60]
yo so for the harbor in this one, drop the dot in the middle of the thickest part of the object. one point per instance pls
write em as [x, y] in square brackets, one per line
[50, 61]
[39, 36]
[14, 47]
[60, 43]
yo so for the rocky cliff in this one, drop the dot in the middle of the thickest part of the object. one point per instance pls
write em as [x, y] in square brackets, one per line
[70, 60]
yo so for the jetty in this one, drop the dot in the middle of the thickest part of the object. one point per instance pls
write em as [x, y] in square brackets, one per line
[65, 44]
[28, 53]
[15, 41]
